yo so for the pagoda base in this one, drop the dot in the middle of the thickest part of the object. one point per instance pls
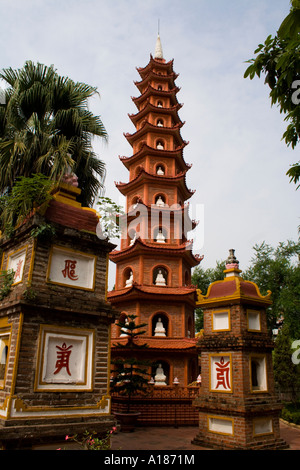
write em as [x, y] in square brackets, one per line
[239, 431]
[278, 444]
[22, 436]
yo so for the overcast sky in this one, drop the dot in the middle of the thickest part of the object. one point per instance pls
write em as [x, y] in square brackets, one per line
[239, 161]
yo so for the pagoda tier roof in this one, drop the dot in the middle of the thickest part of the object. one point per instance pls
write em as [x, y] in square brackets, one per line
[150, 107]
[170, 78]
[179, 179]
[234, 289]
[166, 66]
[151, 91]
[159, 343]
[148, 127]
[163, 249]
[147, 150]
[154, 293]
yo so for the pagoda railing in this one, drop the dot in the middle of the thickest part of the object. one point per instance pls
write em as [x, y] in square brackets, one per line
[162, 406]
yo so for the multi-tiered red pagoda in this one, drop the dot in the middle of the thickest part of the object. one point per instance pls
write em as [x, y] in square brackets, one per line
[153, 265]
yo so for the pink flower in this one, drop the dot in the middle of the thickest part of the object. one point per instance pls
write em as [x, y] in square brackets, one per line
[67, 437]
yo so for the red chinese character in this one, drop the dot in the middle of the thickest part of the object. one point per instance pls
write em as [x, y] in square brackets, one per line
[19, 269]
[69, 270]
[223, 373]
[63, 357]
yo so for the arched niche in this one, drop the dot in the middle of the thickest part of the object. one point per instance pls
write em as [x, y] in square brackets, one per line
[160, 144]
[160, 169]
[127, 277]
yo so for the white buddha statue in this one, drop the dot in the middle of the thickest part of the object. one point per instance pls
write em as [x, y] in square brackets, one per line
[159, 146]
[160, 202]
[159, 329]
[129, 280]
[160, 171]
[160, 238]
[160, 378]
[123, 330]
[160, 280]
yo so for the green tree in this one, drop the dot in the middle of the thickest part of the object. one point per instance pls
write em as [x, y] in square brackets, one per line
[279, 60]
[278, 270]
[286, 373]
[130, 374]
[202, 278]
[46, 127]
[26, 195]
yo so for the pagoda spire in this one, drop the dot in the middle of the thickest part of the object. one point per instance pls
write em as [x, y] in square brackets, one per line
[158, 49]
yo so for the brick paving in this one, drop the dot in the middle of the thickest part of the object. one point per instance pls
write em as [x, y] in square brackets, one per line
[170, 438]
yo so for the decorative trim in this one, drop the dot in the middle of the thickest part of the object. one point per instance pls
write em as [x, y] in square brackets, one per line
[20, 409]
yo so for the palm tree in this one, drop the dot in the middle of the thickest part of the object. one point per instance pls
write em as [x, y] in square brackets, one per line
[46, 127]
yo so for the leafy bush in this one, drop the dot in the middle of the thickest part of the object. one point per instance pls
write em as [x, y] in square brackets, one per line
[291, 413]
[26, 195]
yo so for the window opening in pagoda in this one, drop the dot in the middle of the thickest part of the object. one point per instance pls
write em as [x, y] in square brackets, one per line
[138, 169]
[187, 279]
[160, 123]
[160, 145]
[258, 373]
[128, 277]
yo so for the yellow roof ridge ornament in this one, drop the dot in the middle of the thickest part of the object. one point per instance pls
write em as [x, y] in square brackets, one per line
[232, 287]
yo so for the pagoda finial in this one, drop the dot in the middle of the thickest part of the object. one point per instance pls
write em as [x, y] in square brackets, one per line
[158, 48]
[232, 265]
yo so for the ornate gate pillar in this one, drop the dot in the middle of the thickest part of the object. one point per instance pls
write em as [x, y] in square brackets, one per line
[55, 327]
